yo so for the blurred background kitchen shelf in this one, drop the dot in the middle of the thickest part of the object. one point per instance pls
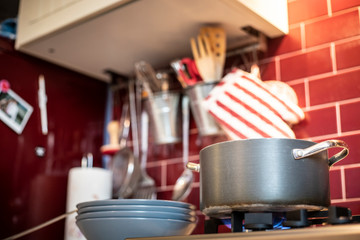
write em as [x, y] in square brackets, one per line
[318, 58]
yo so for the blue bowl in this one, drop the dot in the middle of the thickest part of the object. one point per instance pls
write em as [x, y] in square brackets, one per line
[149, 202]
[119, 228]
[136, 208]
[141, 214]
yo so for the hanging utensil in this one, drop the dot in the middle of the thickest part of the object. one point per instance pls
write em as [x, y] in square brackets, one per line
[204, 57]
[113, 129]
[119, 164]
[179, 70]
[146, 187]
[116, 134]
[145, 73]
[183, 184]
[187, 72]
[125, 162]
[164, 80]
[130, 186]
[217, 38]
[192, 74]
[42, 105]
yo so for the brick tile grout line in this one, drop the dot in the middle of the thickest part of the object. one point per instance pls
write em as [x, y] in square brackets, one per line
[343, 185]
[328, 3]
[338, 118]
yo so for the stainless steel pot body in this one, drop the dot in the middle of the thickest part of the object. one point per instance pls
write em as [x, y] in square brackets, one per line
[263, 175]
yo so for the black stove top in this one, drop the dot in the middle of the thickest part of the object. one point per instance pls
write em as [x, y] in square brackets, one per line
[335, 223]
[261, 221]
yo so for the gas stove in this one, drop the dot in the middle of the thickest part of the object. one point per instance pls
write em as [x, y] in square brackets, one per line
[270, 221]
[333, 223]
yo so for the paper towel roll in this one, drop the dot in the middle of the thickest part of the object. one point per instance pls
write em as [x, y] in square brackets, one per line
[85, 184]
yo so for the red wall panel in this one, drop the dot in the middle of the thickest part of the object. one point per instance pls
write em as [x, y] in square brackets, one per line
[352, 182]
[337, 5]
[268, 71]
[306, 9]
[335, 184]
[333, 28]
[317, 123]
[347, 54]
[350, 116]
[289, 43]
[300, 93]
[306, 64]
[337, 87]
[33, 188]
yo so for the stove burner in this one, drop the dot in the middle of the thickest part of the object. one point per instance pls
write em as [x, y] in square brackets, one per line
[237, 219]
[241, 221]
[303, 218]
[297, 218]
[258, 221]
[339, 215]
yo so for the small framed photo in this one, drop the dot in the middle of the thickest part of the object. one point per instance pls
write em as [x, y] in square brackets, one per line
[14, 111]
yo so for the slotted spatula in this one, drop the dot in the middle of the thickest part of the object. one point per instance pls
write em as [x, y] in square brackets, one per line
[204, 57]
[217, 38]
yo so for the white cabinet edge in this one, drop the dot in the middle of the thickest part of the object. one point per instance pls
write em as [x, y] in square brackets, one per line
[273, 11]
[39, 18]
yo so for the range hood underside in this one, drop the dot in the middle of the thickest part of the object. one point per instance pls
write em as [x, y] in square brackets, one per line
[154, 31]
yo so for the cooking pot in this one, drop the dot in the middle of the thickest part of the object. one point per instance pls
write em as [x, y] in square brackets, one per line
[268, 174]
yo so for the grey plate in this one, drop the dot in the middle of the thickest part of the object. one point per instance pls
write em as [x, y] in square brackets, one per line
[122, 228]
[135, 202]
[136, 208]
[142, 214]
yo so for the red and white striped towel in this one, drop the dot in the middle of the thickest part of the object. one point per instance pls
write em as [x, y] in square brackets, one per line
[245, 108]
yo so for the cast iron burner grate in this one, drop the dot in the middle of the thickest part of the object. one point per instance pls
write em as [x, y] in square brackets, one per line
[260, 221]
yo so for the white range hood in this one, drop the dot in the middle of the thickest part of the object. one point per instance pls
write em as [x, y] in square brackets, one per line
[90, 36]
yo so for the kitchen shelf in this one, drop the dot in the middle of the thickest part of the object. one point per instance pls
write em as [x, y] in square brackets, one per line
[119, 33]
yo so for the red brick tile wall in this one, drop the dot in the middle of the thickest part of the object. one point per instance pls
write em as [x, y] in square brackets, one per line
[320, 59]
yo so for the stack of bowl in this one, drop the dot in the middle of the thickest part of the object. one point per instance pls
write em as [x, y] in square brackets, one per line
[133, 218]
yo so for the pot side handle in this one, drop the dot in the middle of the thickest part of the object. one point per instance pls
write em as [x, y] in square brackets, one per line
[322, 146]
[193, 166]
